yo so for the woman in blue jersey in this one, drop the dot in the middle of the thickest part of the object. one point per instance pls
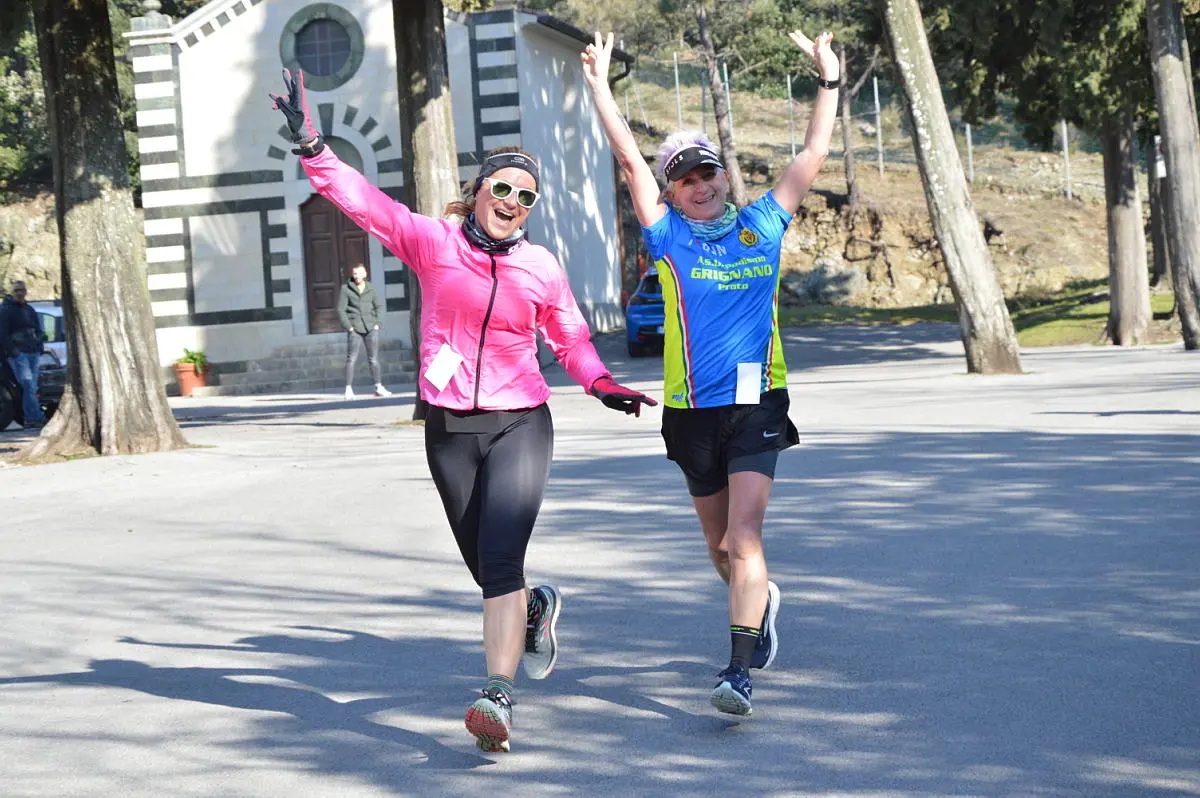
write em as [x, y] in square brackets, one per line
[725, 382]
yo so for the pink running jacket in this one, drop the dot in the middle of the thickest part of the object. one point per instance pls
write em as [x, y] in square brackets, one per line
[486, 308]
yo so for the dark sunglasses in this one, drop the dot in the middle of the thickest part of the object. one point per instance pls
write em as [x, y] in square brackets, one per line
[526, 197]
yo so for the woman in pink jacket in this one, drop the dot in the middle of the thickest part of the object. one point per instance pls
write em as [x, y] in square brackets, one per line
[489, 438]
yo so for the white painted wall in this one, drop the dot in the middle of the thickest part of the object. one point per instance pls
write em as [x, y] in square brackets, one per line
[559, 126]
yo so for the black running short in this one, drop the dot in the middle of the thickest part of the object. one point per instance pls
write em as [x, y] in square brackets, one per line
[710, 443]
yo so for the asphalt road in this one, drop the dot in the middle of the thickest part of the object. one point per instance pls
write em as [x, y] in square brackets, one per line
[990, 588]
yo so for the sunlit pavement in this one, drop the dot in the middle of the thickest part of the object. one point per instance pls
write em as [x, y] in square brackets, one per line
[990, 588]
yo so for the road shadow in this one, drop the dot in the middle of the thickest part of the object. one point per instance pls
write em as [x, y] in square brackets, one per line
[986, 613]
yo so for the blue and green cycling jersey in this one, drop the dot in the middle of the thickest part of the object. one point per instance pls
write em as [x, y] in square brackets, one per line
[722, 304]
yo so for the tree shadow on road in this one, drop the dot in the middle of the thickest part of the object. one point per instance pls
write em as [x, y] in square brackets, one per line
[964, 613]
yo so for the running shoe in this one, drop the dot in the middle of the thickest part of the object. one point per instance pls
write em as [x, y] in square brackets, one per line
[541, 638]
[768, 643]
[490, 720]
[732, 694]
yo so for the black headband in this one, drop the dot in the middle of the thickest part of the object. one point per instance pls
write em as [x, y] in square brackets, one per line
[503, 160]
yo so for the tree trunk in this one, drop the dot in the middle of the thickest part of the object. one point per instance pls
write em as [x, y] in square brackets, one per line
[848, 138]
[1181, 145]
[987, 331]
[1185, 300]
[1158, 240]
[1128, 280]
[426, 131]
[737, 186]
[115, 402]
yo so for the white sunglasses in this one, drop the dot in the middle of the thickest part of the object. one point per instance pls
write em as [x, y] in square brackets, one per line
[526, 197]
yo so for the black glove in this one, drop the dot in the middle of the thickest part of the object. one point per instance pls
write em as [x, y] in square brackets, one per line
[618, 397]
[295, 108]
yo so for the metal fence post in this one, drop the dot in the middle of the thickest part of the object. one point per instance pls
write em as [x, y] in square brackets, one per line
[878, 125]
[791, 116]
[1066, 160]
[621, 44]
[728, 98]
[970, 157]
[678, 99]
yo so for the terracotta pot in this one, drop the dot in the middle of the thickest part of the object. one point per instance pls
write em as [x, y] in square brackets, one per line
[188, 379]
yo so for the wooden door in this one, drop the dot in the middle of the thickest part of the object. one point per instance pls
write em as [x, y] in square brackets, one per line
[332, 246]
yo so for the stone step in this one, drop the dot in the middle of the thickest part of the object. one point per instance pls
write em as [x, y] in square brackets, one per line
[317, 363]
[299, 375]
[311, 367]
[339, 348]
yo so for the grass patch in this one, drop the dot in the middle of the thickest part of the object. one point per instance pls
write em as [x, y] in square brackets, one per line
[1077, 315]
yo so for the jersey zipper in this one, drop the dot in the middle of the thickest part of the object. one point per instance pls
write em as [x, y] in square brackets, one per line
[483, 332]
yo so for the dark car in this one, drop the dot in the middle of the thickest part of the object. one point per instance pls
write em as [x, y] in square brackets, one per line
[645, 315]
[52, 381]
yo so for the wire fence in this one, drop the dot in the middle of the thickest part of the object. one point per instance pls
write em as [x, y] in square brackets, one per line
[675, 93]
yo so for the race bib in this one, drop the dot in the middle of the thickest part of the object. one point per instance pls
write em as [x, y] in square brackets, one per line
[443, 366]
[749, 384]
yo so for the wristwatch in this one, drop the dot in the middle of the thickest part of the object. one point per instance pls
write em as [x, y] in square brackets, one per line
[312, 148]
[829, 84]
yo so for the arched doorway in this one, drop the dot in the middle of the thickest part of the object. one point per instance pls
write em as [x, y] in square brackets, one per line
[332, 246]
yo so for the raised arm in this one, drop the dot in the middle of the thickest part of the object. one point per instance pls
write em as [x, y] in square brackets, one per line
[407, 234]
[643, 188]
[802, 171]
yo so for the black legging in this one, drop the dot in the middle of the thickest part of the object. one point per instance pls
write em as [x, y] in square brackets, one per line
[491, 470]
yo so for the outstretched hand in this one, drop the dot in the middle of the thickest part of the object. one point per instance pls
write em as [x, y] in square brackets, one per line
[295, 107]
[618, 397]
[820, 52]
[596, 58]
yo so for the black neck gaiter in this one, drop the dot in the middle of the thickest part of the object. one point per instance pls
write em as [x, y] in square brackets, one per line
[478, 238]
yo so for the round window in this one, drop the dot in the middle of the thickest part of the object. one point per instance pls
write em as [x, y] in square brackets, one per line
[322, 47]
[325, 41]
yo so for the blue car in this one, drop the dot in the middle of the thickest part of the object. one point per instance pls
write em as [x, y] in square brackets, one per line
[644, 316]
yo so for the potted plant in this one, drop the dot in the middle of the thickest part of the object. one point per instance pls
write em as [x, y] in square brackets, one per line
[191, 371]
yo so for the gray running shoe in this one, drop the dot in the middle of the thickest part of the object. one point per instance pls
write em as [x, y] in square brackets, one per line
[541, 639]
[490, 720]
[768, 643]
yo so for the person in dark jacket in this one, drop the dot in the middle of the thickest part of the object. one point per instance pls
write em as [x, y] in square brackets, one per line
[360, 310]
[21, 340]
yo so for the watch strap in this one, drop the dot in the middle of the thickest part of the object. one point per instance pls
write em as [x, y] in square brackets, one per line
[312, 149]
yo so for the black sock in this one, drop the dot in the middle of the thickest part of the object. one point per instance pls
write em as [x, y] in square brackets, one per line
[743, 639]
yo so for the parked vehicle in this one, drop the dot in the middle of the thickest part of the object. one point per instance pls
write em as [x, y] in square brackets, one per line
[51, 313]
[645, 315]
[52, 381]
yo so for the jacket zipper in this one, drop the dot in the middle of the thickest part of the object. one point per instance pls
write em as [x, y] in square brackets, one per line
[483, 332]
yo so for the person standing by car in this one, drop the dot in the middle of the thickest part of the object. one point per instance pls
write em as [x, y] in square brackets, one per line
[359, 310]
[21, 339]
[486, 293]
[726, 401]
